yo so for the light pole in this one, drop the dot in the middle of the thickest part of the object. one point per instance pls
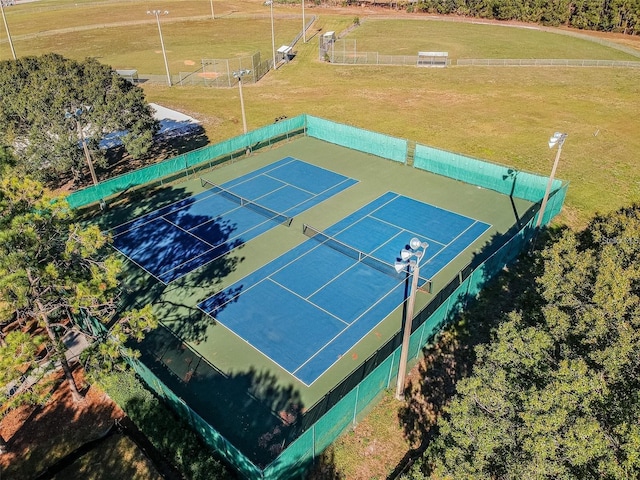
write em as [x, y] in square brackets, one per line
[273, 37]
[213, 17]
[239, 74]
[157, 13]
[410, 259]
[304, 26]
[558, 139]
[76, 114]
[6, 27]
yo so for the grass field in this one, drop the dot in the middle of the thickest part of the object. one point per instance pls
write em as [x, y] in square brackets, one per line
[503, 114]
[478, 41]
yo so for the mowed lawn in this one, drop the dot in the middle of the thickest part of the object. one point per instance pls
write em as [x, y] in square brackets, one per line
[503, 114]
[406, 36]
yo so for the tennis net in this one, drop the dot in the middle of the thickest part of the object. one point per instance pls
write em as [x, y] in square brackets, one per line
[352, 252]
[424, 285]
[245, 202]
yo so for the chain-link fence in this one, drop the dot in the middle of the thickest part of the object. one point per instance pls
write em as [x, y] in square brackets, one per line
[345, 52]
[224, 72]
[253, 447]
[542, 62]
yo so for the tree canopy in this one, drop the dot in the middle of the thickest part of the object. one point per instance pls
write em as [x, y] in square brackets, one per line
[555, 395]
[611, 16]
[54, 272]
[48, 103]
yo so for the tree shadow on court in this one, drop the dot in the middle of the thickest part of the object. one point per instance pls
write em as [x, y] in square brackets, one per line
[450, 354]
[175, 303]
[132, 202]
[254, 410]
[251, 409]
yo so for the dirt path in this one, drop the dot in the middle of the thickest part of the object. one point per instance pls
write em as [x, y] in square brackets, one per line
[36, 435]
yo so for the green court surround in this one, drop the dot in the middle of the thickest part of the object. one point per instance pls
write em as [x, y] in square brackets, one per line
[260, 418]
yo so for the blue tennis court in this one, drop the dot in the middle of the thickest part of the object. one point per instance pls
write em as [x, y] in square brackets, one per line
[174, 240]
[307, 308]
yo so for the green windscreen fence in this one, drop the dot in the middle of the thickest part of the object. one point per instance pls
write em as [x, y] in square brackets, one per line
[181, 164]
[484, 174]
[344, 404]
[470, 170]
[342, 407]
[355, 138]
[555, 203]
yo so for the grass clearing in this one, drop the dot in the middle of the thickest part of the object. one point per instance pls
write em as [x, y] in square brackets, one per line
[503, 114]
[184, 41]
[480, 41]
[116, 458]
[369, 451]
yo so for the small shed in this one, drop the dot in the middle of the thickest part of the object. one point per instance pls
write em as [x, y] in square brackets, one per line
[433, 59]
[328, 38]
[284, 53]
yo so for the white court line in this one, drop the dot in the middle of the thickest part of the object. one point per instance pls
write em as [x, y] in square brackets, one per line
[307, 300]
[249, 343]
[159, 216]
[182, 200]
[348, 325]
[445, 246]
[239, 235]
[344, 330]
[138, 265]
[405, 230]
[461, 251]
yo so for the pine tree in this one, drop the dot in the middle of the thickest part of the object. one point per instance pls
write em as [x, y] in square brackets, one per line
[52, 270]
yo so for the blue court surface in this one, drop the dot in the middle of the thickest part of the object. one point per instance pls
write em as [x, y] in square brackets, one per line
[307, 308]
[176, 239]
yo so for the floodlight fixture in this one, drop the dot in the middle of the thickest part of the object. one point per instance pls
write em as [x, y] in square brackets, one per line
[557, 138]
[409, 261]
[415, 243]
